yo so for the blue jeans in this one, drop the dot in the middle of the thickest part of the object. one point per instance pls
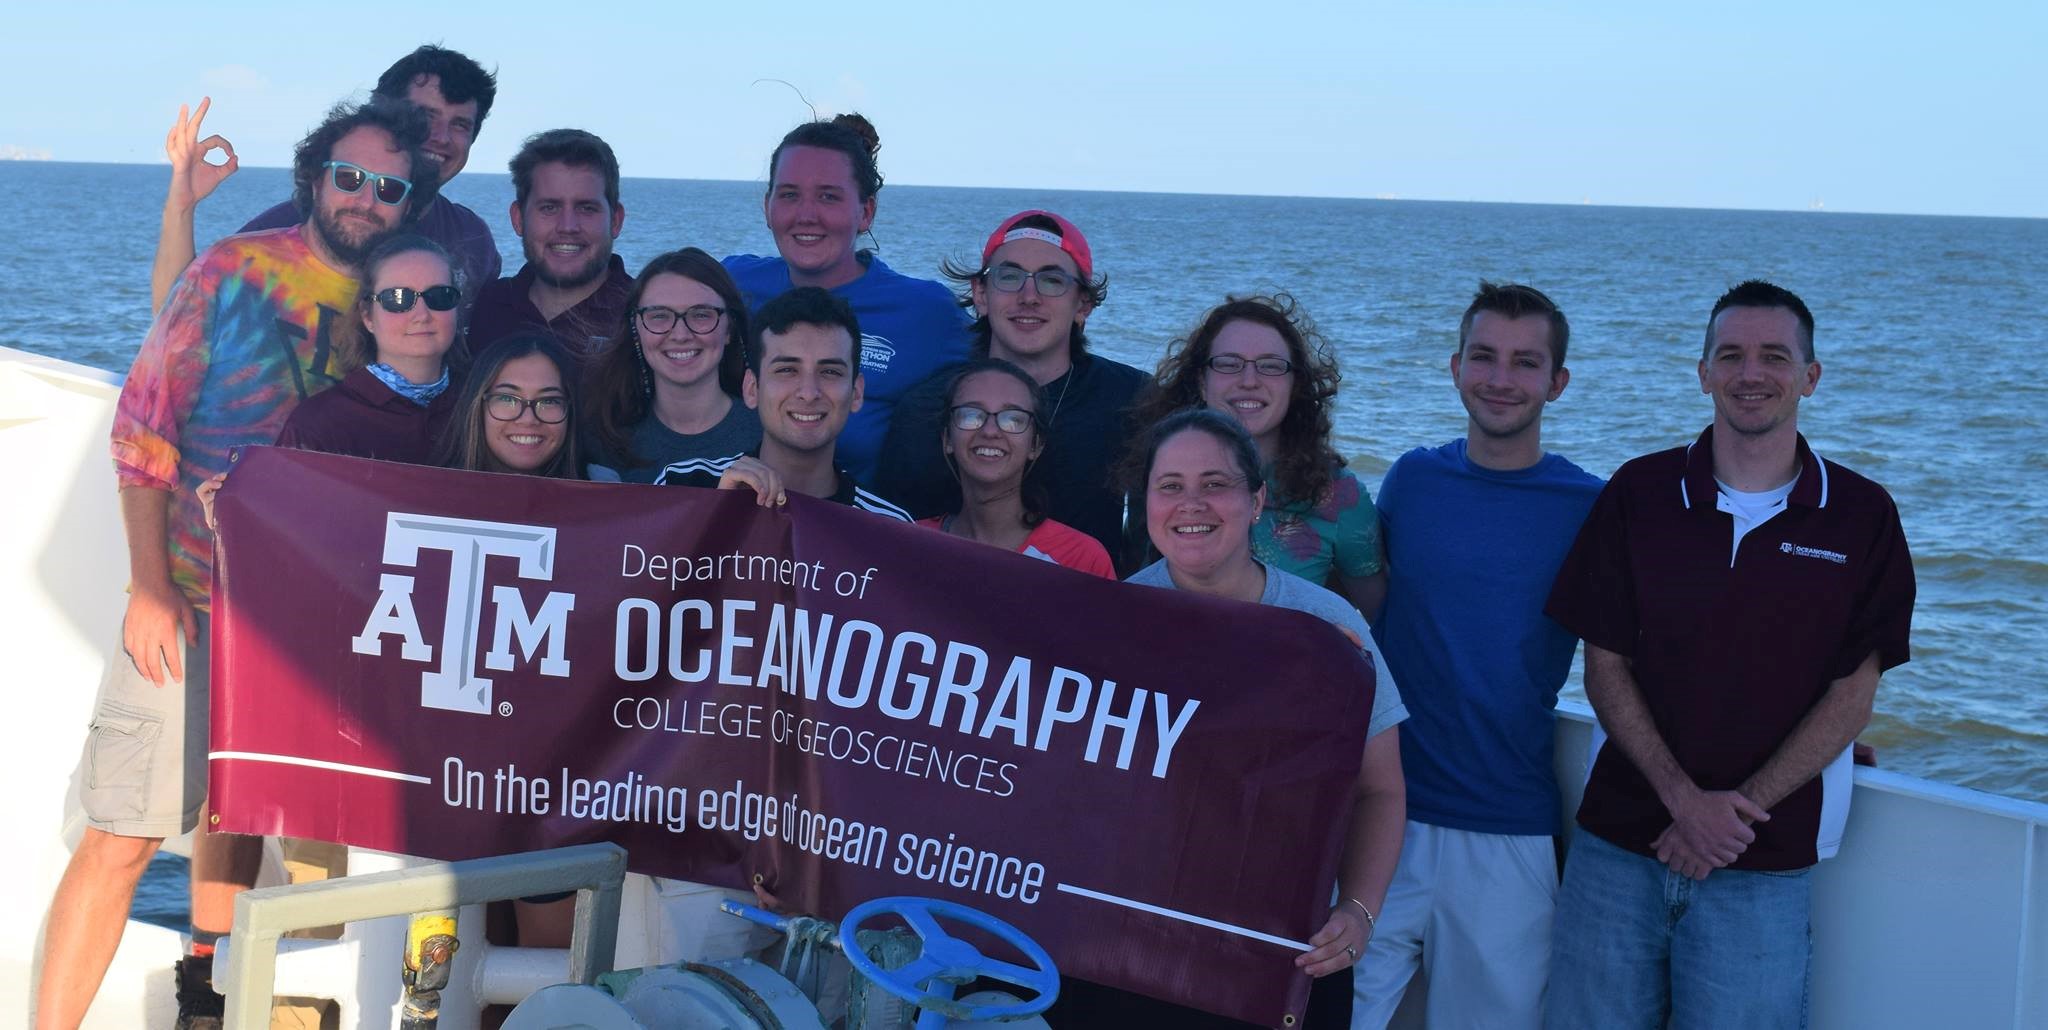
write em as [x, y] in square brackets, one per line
[1635, 944]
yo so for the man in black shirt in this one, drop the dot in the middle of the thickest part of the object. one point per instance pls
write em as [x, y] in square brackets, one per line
[1034, 291]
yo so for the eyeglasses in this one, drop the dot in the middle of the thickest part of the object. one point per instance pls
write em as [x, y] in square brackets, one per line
[399, 299]
[700, 318]
[967, 418]
[1231, 364]
[348, 178]
[506, 407]
[1052, 282]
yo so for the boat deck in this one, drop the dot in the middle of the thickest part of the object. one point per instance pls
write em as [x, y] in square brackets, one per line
[1936, 913]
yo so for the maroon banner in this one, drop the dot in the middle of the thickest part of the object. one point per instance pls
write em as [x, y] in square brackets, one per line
[1154, 785]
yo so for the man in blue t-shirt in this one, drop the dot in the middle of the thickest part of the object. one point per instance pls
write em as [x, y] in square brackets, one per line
[1475, 531]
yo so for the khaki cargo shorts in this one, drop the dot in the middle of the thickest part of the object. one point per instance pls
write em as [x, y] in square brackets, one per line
[143, 773]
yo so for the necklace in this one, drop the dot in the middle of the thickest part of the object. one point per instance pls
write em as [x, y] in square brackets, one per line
[1066, 383]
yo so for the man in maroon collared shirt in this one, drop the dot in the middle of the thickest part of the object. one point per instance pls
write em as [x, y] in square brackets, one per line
[566, 210]
[1739, 598]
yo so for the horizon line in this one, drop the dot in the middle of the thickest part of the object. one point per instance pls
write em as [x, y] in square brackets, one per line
[1379, 198]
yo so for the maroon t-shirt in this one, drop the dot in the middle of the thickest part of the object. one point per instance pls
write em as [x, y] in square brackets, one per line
[363, 418]
[1730, 655]
[585, 330]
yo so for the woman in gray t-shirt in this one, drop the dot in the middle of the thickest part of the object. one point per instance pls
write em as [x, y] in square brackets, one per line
[1203, 491]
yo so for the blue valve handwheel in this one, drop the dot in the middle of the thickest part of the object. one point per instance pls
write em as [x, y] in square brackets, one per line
[949, 956]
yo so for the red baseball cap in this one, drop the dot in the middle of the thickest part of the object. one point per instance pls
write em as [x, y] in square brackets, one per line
[1067, 238]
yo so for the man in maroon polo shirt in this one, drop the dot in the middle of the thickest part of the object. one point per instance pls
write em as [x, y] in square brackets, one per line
[1739, 598]
[566, 210]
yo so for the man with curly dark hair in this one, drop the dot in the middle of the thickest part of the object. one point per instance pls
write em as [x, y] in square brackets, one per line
[243, 337]
[453, 91]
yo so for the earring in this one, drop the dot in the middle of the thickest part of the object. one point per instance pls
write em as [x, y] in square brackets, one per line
[646, 374]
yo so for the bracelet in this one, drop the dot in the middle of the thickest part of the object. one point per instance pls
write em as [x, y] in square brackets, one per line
[1371, 925]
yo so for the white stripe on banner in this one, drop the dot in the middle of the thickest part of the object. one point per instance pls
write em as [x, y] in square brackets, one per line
[314, 763]
[1182, 916]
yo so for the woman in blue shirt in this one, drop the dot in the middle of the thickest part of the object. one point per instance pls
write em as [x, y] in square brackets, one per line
[822, 185]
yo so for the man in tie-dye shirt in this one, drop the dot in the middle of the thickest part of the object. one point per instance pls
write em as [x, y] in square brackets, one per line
[242, 338]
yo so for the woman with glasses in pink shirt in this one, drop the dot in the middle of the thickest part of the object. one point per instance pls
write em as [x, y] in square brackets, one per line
[992, 439]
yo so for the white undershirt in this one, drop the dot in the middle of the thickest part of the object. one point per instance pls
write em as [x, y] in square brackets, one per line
[1750, 510]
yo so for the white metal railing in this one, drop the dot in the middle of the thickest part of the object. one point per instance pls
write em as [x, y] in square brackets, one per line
[249, 958]
[1934, 913]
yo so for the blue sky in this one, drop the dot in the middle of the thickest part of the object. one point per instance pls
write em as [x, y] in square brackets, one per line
[1862, 107]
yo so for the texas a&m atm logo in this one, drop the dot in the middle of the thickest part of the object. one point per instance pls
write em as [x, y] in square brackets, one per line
[455, 684]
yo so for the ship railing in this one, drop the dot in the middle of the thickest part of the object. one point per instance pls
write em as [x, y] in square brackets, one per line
[1935, 913]
[449, 971]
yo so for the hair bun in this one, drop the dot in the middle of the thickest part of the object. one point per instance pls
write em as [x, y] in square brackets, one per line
[861, 127]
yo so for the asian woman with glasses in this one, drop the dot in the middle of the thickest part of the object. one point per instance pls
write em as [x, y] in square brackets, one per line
[516, 413]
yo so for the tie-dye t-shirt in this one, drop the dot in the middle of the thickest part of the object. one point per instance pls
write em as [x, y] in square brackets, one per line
[242, 338]
[1340, 531]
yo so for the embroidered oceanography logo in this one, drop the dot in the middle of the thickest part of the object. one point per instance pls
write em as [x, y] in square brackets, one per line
[1788, 547]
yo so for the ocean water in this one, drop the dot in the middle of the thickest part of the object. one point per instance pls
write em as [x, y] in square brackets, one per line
[1928, 327]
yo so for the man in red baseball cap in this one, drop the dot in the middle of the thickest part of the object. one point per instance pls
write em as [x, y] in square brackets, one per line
[1034, 289]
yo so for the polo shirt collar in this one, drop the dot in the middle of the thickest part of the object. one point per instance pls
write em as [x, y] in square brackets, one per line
[1810, 490]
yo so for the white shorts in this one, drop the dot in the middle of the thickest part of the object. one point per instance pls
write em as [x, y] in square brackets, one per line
[1473, 911]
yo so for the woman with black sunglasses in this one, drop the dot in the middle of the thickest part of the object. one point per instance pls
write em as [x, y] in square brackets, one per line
[992, 440]
[396, 402]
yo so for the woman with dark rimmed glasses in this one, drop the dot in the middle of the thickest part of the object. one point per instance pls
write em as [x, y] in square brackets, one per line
[992, 440]
[517, 412]
[396, 339]
[1261, 360]
[668, 388]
